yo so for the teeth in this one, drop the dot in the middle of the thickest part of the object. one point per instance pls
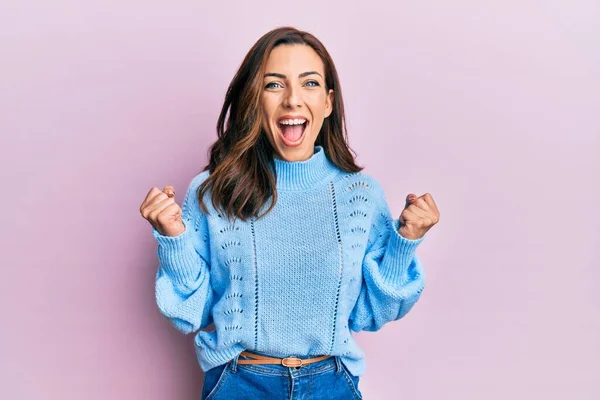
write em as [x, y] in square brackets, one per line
[297, 121]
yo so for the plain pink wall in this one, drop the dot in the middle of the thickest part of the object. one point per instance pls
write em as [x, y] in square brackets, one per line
[493, 107]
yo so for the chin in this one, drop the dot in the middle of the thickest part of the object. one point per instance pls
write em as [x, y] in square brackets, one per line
[298, 153]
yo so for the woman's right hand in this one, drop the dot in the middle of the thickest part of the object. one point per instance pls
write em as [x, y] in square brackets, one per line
[163, 213]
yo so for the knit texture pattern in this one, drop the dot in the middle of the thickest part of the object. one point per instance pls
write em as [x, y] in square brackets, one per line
[327, 261]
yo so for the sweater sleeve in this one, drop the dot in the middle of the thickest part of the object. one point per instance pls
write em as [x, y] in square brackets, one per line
[393, 277]
[182, 288]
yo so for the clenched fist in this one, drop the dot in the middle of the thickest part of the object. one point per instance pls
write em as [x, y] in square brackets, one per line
[160, 209]
[418, 216]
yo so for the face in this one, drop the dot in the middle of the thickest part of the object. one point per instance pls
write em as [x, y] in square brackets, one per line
[294, 101]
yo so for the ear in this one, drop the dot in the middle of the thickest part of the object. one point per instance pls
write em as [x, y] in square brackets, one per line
[329, 103]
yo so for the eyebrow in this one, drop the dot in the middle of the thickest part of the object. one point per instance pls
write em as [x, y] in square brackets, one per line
[282, 76]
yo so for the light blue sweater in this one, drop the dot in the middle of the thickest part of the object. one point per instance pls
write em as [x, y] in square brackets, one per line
[327, 261]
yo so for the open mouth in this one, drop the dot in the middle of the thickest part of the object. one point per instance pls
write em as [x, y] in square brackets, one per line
[292, 133]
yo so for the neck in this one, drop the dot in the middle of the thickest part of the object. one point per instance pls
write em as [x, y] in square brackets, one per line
[305, 174]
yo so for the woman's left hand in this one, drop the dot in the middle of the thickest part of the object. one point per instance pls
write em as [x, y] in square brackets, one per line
[418, 216]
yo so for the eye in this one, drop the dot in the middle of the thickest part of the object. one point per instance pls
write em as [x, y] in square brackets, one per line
[269, 85]
[315, 83]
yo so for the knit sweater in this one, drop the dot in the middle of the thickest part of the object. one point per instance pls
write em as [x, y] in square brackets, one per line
[327, 261]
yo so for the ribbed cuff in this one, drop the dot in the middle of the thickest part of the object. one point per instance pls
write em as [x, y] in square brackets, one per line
[398, 256]
[178, 257]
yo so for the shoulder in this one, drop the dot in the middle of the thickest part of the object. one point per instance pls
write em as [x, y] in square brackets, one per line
[362, 183]
[363, 194]
[191, 203]
[197, 179]
[195, 182]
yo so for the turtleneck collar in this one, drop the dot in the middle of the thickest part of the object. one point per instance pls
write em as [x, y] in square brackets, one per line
[299, 175]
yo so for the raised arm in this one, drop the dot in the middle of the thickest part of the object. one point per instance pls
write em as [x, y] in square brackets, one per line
[183, 290]
[393, 277]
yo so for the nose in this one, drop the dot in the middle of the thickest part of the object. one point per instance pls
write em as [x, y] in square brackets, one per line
[292, 98]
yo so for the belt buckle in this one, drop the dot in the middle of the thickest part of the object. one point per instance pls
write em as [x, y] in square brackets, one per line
[295, 362]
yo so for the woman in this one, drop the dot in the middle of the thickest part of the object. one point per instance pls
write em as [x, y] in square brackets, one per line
[282, 241]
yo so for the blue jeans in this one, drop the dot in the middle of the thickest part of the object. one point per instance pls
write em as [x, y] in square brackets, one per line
[327, 379]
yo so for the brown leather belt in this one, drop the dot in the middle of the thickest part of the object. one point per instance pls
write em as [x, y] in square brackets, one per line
[287, 361]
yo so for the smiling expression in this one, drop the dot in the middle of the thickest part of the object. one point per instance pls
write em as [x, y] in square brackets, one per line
[294, 93]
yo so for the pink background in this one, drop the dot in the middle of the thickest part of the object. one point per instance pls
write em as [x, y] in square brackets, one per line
[493, 107]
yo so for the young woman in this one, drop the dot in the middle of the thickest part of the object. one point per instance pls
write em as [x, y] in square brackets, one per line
[282, 242]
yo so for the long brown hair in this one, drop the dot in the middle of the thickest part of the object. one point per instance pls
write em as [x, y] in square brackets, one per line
[240, 179]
